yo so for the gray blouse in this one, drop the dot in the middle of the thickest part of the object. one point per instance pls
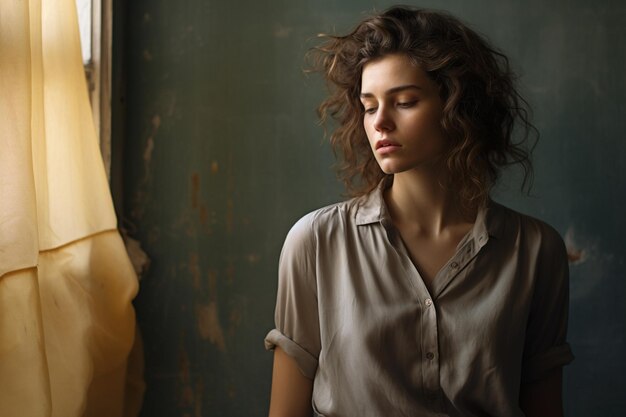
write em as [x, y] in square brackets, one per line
[354, 313]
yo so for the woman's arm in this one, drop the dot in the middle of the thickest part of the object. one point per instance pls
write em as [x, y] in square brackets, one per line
[543, 398]
[291, 391]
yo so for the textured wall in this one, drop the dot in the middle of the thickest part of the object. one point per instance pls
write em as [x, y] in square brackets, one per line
[222, 154]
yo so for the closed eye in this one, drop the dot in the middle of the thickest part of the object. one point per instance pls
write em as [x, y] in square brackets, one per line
[407, 104]
[370, 110]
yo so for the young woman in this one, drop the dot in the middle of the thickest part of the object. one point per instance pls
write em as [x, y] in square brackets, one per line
[420, 296]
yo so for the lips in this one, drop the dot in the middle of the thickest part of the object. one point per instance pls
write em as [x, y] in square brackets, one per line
[385, 143]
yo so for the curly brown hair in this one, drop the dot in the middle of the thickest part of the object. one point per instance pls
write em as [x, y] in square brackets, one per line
[481, 103]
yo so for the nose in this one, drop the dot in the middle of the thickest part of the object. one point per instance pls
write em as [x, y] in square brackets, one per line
[383, 122]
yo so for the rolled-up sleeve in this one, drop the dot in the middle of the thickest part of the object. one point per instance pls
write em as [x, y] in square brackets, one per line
[296, 317]
[546, 346]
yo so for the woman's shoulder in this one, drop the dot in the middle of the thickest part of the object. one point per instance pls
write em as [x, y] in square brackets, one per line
[323, 221]
[526, 228]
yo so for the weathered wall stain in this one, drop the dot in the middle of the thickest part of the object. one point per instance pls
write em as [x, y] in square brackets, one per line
[209, 326]
[195, 189]
[589, 263]
[204, 217]
[155, 124]
[189, 393]
[147, 156]
[138, 257]
[199, 205]
[574, 253]
[206, 313]
[184, 223]
[142, 194]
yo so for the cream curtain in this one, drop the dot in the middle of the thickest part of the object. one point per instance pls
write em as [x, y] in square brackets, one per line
[67, 325]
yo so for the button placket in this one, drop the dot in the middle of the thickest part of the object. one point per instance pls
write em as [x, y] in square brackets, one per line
[430, 347]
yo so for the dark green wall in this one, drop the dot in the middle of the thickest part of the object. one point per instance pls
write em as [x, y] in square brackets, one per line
[221, 153]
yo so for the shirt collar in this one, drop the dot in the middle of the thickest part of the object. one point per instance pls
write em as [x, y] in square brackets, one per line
[372, 209]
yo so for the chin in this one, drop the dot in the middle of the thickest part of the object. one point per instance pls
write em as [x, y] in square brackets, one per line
[396, 166]
[392, 168]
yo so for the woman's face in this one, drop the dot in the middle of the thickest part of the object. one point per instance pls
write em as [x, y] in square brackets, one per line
[402, 114]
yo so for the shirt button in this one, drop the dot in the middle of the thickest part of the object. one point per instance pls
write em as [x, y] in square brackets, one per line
[454, 265]
[428, 302]
[430, 356]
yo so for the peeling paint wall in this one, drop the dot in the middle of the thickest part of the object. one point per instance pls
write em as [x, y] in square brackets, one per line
[223, 153]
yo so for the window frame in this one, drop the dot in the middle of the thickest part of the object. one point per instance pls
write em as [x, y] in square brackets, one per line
[98, 73]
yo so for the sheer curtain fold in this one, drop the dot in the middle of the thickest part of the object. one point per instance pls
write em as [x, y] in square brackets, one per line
[67, 325]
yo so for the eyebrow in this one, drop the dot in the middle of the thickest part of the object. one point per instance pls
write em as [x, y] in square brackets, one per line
[394, 90]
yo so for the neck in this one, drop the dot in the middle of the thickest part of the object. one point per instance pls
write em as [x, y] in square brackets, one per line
[420, 200]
